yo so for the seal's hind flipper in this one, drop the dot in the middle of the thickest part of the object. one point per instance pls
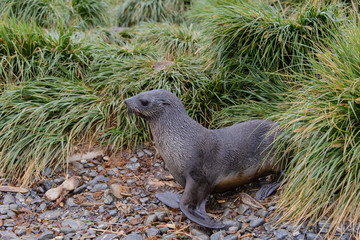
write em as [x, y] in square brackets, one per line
[199, 216]
[193, 202]
[169, 198]
[267, 190]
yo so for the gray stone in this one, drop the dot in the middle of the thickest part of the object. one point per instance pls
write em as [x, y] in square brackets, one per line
[20, 230]
[76, 225]
[199, 234]
[281, 234]
[83, 161]
[46, 235]
[147, 152]
[70, 202]
[134, 236]
[231, 237]
[167, 236]
[231, 223]
[152, 232]
[109, 199]
[243, 208]
[134, 159]
[99, 187]
[77, 165]
[20, 197]
[312, 236]
[112, 172]
[50, 215]
[262, 213]
[107, 237]
[10, 213]
[100, 168]
[7, 235]
[48, 184]
[150, 219]
[133, 166]
[98, 179]
[233, 229]
[80, 189]
[217, 236]
[4, 209]
[257, 222]
[8, 199]
[42, 206]
[46, 172]
[113, 212]
[144, 200]
[9, 223]
[140, 154]
[161, 215]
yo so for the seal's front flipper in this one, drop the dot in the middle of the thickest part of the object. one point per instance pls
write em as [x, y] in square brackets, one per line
[170, 199]
[267, 190]
[193, 202]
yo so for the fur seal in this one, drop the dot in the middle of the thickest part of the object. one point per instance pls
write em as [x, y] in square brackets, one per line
[204, 160]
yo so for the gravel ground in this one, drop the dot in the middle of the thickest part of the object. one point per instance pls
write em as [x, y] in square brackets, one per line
[116, 200]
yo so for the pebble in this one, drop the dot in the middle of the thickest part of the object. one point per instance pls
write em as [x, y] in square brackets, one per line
[133, 166]
[8, 199]
[135, 212]
[107, 237]
[50, 215]
[281, 234]
[134, 236]
[152, 232]
[243, 208]
[257, 222]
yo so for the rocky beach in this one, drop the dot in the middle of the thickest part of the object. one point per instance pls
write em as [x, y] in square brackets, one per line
[114, 198]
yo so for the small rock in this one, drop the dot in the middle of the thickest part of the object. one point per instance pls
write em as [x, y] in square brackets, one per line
[50, 215]
[107, 237]
[231, 237]
[135, 220]
[80, 189]
[70, 202]
[147, 152]
[4, 209]
[46, 172]
[97, 179]
[8, 199]
[10, 213]
[77, 165]
[152, 232]
[133, 166]
[48, 184]
[20, 230]
[233, 229]
[140, 154]
[231, 223]
[100, 168]
[262, 213]
[76, 225]
[83, 161]
[8, 235]
[312, 236]
[217, 236]
[169, 236]
[134, 236]
[54, 193]
[281, 234]
[199, 234]
[257, 222]
[144, 200]
[134, 159]
[112, 172]
[161, 215]
[20, 197]
[113, 212]
[9, 223]
[46, 235]
[243, 208]
[99, 187]
[150, 219]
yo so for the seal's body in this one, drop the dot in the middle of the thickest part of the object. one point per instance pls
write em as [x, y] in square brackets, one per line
[204, 160]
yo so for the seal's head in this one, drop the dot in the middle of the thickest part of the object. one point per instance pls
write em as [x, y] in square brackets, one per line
[154, 103]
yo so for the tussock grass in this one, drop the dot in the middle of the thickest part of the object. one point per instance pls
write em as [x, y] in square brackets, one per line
[324, 125]
[29, 51]
[91, 12]
[175, 40]
[134, 11]
[251, 33]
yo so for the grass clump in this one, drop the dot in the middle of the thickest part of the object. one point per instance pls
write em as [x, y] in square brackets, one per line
[175, 40]
[324, 125]
[134, 11]
[91, 12]
[246, 34]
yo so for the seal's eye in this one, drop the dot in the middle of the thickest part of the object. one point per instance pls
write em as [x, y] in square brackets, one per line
[144, 102]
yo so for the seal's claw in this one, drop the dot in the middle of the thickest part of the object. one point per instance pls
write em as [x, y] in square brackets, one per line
[267, 190]
[169, 199]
